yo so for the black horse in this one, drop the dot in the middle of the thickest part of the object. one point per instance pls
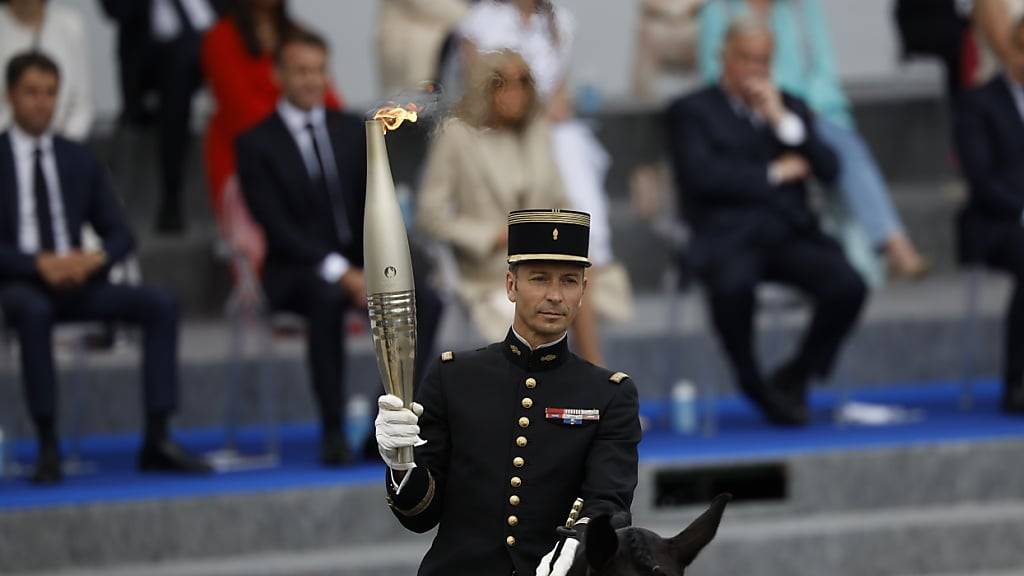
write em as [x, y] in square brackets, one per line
[638, 552]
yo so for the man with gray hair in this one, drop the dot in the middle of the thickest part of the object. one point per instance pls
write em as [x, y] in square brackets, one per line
[744, 155]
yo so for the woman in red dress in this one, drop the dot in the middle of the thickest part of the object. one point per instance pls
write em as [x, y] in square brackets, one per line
[238, 64]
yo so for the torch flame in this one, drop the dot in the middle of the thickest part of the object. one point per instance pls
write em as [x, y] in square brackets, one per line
[393, 116]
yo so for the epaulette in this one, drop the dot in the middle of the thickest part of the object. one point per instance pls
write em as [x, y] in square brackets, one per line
[618, 377]
[447, 356]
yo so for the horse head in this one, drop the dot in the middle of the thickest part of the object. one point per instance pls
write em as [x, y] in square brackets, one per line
[633, 551]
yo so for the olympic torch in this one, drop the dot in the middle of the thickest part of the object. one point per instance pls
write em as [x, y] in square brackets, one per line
[391, 295]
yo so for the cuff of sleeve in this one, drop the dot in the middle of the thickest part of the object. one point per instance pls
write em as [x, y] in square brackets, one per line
[791, 130]
[397, 486]
[333, 267]
[409, 503]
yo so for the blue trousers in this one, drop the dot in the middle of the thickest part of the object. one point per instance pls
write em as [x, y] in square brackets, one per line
[861, 183]
[32, 310]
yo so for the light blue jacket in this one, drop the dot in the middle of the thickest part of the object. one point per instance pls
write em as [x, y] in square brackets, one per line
[804, 63]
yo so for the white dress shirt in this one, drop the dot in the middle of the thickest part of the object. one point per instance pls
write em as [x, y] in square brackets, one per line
[63, 39]
[23, 146]
[166, 24]
[334, 266]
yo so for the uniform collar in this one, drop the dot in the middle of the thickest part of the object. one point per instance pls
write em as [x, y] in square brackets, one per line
[544, 357]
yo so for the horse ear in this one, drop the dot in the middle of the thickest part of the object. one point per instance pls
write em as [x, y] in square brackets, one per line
[602, 542]
[687, 544]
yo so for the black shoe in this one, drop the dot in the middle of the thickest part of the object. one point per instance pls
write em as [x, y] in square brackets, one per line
[1013, 400]
[777, 408]
[334, 452]
[170, 222]
[166, 456]
[792, 382]
[48, 470]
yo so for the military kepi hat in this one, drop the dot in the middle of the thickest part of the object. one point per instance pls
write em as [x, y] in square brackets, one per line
[548, 236]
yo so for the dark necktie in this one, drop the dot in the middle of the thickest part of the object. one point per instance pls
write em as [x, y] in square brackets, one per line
[186, 22]
[329, 183]
[44, 217]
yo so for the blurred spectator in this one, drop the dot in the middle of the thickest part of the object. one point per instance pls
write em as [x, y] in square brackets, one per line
[993, 22]
[58, 32]
[666, 44]
[48, 278]
[158, 53]
[303, 173]
[805, 66]
[990, 137]
[492, 158]
[939, 28]
[237, 59]
[744, 154]
[410, 34]
[543, 33]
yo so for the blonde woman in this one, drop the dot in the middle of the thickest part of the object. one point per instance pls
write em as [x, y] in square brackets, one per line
[492, 157]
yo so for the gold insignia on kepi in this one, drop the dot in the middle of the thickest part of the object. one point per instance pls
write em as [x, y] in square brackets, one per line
[548, 358]
[515, 349]
[554, 234]
[618, 377]
[447, 356]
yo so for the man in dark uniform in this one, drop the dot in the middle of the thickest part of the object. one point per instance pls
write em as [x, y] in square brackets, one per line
[508, 436]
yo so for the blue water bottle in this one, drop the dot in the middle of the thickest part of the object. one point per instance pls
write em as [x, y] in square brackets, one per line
[357, 422]
[684, 407]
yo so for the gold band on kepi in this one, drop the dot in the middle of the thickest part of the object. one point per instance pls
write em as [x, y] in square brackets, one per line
[548, 236]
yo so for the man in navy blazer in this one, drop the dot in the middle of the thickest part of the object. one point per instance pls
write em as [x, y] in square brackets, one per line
[49, 188]
[302, 172]
[743, 155]
[990, 138]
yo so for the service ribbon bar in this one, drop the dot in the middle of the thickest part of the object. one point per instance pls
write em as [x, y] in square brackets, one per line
[573, 416]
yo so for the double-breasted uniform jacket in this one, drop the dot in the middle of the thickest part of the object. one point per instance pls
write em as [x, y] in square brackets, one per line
[514, 436]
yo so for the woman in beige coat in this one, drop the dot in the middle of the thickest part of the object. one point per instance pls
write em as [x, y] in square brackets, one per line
[492, 157]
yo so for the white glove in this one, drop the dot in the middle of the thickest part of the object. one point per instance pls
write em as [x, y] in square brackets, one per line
[563, 554]
[396, 427]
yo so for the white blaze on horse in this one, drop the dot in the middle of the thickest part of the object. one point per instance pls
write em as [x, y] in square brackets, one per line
[635, 551]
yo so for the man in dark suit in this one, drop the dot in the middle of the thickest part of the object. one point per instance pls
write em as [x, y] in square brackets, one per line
[743, 155]
[49, 188]
[990, 138]
[303, 175]
[506, 437]
[158, 52]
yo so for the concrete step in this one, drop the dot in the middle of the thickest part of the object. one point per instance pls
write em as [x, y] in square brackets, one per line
[909, 333]
[918, 510]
